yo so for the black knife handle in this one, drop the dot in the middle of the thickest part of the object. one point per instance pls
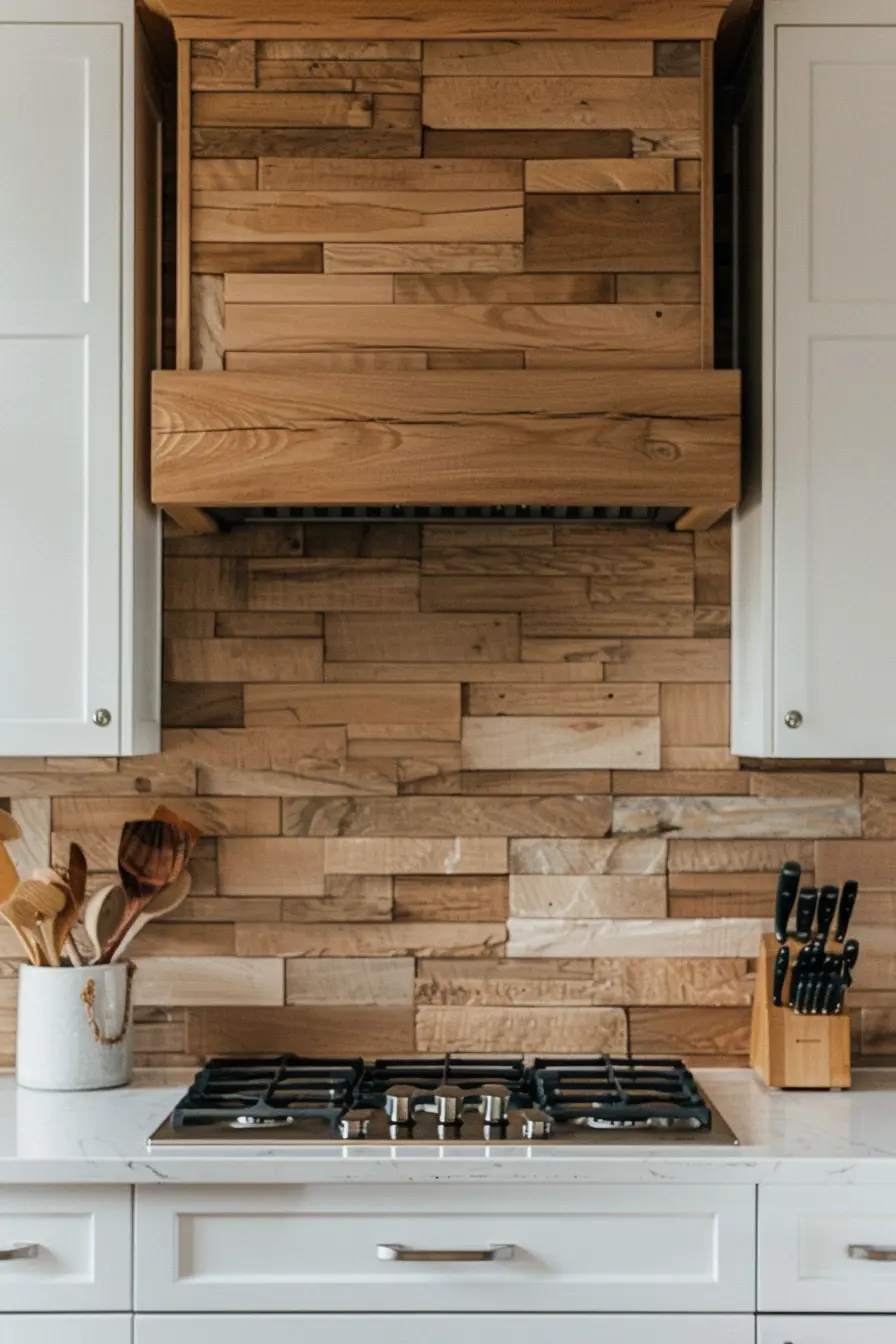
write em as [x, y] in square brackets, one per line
[805, 913]
[827, 904]
[785, 898]
[782, 961]
[844, 913]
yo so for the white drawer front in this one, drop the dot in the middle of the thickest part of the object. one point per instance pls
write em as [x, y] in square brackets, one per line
[574, 1248]
[83, 1239]
[805, 1236]
[77, 1330]
[824, 1330]
[412, 1329]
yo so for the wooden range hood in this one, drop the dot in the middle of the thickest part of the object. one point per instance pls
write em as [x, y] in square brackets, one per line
[288, 395]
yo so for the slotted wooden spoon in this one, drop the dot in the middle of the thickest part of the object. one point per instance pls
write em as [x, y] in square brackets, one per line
[30, 906]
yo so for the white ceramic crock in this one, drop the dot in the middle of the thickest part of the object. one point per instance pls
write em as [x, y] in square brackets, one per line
[74, 1030]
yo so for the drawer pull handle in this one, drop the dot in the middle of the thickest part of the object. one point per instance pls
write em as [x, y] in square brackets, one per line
[872, 1253]
[21, 1250]
[392, 1251]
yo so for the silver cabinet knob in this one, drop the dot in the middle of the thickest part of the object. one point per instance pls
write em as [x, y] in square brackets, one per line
[793, 718]
[102, 718]
[20, 1250]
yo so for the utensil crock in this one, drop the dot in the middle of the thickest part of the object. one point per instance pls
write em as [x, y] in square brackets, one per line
[74, 1029]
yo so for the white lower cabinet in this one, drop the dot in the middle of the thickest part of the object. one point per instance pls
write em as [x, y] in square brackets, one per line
[71, 1330]
[824, 1250]
[65, 1249]
[411, 1329]
[825, 1330]
[573, 1248]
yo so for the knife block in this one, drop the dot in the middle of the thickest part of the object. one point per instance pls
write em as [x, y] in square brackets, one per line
[789, 1049]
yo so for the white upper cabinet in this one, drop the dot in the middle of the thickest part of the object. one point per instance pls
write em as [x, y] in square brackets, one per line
[75, 537]
[815, 540]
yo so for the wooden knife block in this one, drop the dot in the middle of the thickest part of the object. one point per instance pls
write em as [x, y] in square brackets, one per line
[791, 1050]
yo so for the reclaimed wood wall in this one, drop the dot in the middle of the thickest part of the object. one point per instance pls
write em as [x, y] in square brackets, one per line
[464, 787]
[398, 204]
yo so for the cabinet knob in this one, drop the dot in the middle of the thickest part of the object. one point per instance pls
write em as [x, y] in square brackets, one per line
[793, 718]
[102, 718]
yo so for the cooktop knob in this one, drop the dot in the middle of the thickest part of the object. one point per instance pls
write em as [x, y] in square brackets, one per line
[355, 1124]
[495, 1103]
[536, 1124]
[398, 1102]
[449, 1104]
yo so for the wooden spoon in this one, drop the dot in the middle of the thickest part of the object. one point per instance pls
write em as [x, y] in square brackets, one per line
[151, 855]
[75, 894]
[166, 900]
[192, 832]
[102, 916]
[31, 905]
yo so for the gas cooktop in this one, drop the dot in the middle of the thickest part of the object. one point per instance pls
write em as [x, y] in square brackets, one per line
[443, 1099]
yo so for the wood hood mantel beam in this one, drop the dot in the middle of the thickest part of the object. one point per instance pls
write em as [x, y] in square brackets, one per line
[673, 20]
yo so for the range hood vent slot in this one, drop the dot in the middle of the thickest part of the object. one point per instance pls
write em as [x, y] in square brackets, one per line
[438, 513]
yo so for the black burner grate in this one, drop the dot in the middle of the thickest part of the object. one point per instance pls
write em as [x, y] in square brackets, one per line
[603, 1091]
[266, 1091]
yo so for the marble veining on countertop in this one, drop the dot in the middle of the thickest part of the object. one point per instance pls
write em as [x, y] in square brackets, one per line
[839, 1138]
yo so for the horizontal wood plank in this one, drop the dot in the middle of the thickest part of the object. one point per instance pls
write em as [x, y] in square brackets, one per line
[398, 258]
[353, 216]
[283, 109]
[316, 174]
[621, 232]
[512, 289]
[538, 58]
[259, 287]
[574, 102]
[600, 175]
[545, 743]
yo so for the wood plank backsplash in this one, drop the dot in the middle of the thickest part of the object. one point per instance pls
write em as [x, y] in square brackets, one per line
[462, 787]
[371, 205]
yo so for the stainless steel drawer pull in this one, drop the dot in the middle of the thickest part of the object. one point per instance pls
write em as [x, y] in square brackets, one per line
[392, 1251]
[872, 1253]
[21, 1250]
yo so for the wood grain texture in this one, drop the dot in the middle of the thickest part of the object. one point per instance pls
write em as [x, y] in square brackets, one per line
[544, 743]
[183, 293]
[576, 102]
[223, 64]
[390, 175]
[352, 216]
[580, 144]
[482, 19]
[225, 258]
[224, 175]
[590, 1030]
[398, 258]
[203, 465]
[559, 58]
[621, 232]
[263, 287]
[600, 175]
[250, 142]
[282, 109]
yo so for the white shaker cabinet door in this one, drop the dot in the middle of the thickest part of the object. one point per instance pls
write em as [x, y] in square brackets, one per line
[834, 392]
[60, 386]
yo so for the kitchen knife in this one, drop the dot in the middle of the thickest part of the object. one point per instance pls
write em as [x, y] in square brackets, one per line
[827, 904]
[823, 981]
[782, 961]
[800, 967]
[849, 959]
[788, 885]
[847, 903]
[805, 913]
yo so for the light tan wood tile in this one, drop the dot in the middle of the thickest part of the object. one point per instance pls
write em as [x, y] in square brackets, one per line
[600, 1030]
[611, 856]
[322, 1031]
[398, 258]
[356, 899]
[317, 174]
[249, 287]
[271, 867]
[424, 713]
[222, 64]
[457, 899]
[323, 49]
[513, 783]
[253, 748]
[195, 982]
[482, 673]
[587, 897]
[695, 715]
[803, 784]
[447, 816]
[733, 818]
[879, 807]
[639, 782]
[678, 144]
[325, 585]
[415, 855]
[156, 774]
[404, 938]
[212, 816]
[353, 981]
[693, 1031]
[739, 856]
[635, 937]
[224, 174]
[587, 700]
[551, 743]
[263, 108]
[871, 862]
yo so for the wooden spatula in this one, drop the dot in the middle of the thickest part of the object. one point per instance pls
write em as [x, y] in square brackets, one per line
[30, 906]
[75, 895]
[9, 827]
[102, 916]
[168, 899]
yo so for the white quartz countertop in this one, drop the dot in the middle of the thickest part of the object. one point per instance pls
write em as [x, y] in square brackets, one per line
[786, 1138]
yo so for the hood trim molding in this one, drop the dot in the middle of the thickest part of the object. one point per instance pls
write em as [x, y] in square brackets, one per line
[658, 438]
